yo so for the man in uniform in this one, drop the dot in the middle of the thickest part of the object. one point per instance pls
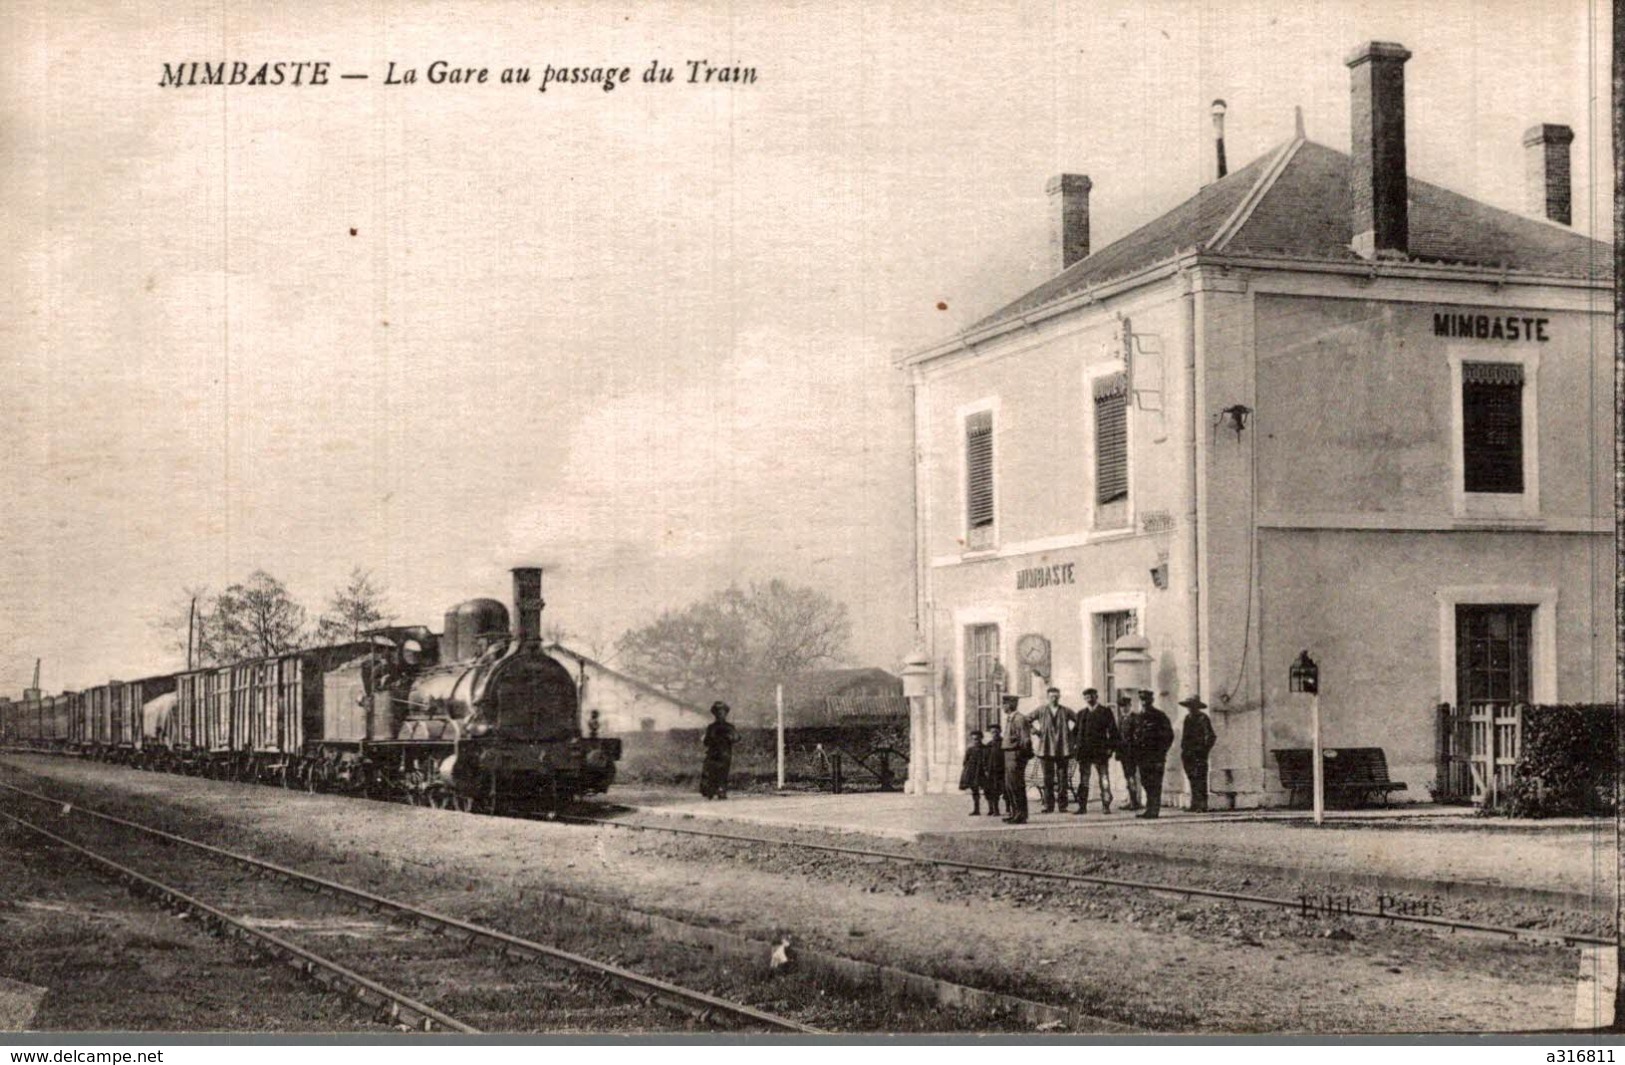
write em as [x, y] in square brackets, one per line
[1097, 742]
[1150, 734]
[1196, 739]
[1017, 744]
[1052, 740]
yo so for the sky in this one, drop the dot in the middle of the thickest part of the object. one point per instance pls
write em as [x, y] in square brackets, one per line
[644, 338]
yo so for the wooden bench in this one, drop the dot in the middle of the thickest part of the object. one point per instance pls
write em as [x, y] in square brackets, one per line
[1353, 774]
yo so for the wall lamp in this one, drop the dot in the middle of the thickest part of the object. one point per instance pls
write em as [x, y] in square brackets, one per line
[1235, 418]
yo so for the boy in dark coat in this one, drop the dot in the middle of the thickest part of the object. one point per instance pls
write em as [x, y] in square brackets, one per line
[992, 770]
[970, 777]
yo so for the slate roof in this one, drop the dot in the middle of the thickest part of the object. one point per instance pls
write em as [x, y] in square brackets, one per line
[1302, 212]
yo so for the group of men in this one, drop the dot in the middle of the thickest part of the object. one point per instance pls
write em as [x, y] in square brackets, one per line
[996, 765]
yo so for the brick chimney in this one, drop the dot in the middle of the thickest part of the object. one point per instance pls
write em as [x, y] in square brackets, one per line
[1069, 219]
[1546, 162]
[1377, 181]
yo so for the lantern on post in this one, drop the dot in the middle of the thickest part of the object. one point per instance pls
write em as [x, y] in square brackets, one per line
[1304, 678]
[916, 686]
[1131, 663]
[917, 675]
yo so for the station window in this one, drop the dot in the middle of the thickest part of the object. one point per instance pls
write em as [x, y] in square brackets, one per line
[1109, 628]
[1492, 427]
[979, 499]
[984, 675]
[1111, 450]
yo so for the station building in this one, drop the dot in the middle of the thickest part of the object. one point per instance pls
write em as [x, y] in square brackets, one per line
[1322, 405]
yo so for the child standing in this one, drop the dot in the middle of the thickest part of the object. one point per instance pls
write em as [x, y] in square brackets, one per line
[970, 777]
[992, 770]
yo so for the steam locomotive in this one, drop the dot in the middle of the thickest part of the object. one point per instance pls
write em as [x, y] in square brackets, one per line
[475, 718]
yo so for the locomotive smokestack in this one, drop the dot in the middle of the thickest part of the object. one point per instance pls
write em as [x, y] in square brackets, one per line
[527, 604]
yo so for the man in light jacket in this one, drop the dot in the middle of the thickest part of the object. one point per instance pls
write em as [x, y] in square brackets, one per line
[1052, 742]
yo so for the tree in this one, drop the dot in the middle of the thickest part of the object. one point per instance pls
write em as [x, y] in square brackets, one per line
[258, 618]
[702, 651]
[730, 644]
[795, 629]
[353, 609]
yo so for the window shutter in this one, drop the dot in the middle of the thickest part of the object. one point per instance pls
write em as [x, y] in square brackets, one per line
[979, 470]
[1492, 426]
[1111, 438]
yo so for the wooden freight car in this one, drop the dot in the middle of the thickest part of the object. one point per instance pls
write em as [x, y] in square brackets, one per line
[249, 720]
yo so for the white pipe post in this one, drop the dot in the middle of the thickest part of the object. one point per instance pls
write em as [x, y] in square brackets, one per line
[779, 700]
[1320, 766]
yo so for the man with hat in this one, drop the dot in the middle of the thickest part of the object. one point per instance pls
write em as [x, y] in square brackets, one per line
[1053, 726]
[719, 740]
[1016, 741]
[1125, 754]
[1149, 735]
[1195, 741]
[1097, 742]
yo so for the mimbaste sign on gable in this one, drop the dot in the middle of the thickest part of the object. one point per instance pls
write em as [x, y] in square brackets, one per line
[1489, 326]
[1044, 576]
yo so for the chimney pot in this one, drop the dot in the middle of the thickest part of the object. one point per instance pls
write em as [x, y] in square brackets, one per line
[1378, 184]
[1069, 219]
[1546, 151]
[1219, 109]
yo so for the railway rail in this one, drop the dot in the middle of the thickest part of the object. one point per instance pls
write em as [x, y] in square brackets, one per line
[704, 1007]
[1165, 890]
[397, 1006]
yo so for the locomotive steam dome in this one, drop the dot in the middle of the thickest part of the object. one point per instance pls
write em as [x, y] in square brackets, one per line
[467, 623]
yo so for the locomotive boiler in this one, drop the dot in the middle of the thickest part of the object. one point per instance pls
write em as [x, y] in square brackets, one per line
[479, 717]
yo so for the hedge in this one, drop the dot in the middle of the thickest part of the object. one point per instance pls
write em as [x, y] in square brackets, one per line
[673, 758]
[1569, 763]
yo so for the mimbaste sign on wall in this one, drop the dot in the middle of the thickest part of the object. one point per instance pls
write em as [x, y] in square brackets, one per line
[1489, 326]
[1044, 576]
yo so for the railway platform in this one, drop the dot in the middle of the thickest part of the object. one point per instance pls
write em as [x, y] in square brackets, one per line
[1421, 846]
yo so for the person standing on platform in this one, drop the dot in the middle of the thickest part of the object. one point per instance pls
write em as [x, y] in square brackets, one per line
[1097, 742]
[1196, 739]
[1152, 736]
[970, 777]
[992, 770]
[1052, 740]
[1017, 744]
[719, 741]
[1131, 766]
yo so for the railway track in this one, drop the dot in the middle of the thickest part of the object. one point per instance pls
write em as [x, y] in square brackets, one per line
[643, 989]
[1161, 889]
[393, 1005]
